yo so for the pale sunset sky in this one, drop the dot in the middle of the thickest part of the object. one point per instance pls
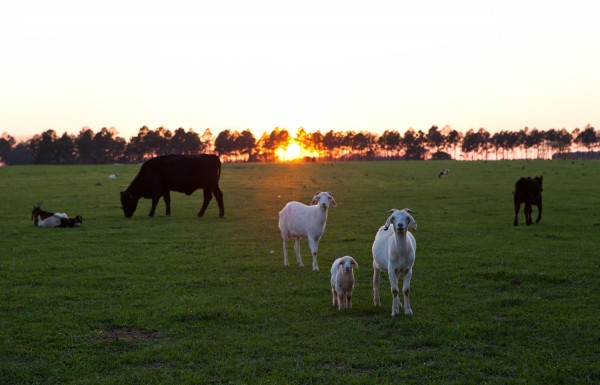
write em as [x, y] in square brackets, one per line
[324, 65]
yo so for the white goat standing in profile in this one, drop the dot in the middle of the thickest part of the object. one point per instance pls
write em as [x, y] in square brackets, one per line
[394, 252]
[298, 220]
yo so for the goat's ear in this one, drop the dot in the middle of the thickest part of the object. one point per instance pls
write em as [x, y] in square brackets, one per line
[412, 223]
[314, 200]
[387, 223]
[333, 202]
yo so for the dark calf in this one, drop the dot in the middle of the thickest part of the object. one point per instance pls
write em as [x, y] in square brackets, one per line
[528, 191]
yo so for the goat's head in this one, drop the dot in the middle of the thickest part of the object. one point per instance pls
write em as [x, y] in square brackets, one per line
[324, 200]
[401, 220]
[347, 262]
[36, 210]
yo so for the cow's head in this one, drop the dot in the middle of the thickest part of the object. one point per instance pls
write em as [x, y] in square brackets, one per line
[539, 180]
[128, 203]
[401, 220]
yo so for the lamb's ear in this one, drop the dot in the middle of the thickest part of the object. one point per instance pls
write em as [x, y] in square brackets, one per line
[354, 263]
[314, 200]
[333, 202]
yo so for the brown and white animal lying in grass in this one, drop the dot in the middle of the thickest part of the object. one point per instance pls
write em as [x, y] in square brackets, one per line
[43, 218]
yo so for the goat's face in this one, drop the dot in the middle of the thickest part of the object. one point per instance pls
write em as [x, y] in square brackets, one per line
[401, 220]
[347, 262]
[128, 203]
[324, 200]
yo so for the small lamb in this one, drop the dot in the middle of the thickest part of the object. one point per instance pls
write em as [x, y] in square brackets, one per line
[298, 220]
[342, 282]
[394, 252]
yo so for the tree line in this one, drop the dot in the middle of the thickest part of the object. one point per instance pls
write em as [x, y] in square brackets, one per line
[106, 146]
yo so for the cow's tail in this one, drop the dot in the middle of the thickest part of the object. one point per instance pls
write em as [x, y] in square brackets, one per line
[218, 169]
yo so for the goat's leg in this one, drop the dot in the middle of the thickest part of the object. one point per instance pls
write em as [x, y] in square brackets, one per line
[376, 275]
[406, 291]
[297, 251]
[285, 256]
[335, 296]
[313, 243]
[393, 275]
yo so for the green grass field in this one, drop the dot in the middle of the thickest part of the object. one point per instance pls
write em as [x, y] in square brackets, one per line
[183, 300]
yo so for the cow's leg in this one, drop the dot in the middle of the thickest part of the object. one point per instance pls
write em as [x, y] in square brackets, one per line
[539, 217]
[376, 275]
[393, 275]
[313, 243]
[406, 292]
[517, 208]
[155, 199]
[167, 198]
[207, 199]
[297, 251]
[219, 196]
[528, 210]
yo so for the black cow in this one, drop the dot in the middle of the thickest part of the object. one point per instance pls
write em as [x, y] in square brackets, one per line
[529, 191]
[182, 173]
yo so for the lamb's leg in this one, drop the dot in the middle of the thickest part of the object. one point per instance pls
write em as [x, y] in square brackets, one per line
[297, 251]
[341, 301]
[395, 293]
[313, 243]
[406, 292]
[376, 275]
[349, 300]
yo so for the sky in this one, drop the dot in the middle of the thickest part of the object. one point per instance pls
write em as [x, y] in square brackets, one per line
[323, 65]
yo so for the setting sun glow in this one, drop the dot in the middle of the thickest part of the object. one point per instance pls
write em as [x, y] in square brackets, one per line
[294, 151]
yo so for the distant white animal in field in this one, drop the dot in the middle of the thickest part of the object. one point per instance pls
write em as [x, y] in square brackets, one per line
[113, 176]
[342, 281]
[394, 252]
[443, 172]
[298, 220]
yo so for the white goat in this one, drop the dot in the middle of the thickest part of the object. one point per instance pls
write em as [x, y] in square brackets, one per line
[394, 252]
[298, 220]
[113, 176]
[342, 282]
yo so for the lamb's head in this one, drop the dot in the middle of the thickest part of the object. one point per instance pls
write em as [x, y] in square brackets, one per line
[401, 220]
[347, 262]
[324, 200]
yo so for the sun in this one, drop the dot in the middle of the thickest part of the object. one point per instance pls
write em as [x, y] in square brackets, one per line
[291, 152]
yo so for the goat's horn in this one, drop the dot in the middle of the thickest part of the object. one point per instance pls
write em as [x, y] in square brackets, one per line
[391, 211]
[409, 210]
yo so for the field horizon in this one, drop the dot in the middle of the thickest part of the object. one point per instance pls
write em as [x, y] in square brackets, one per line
[187, 300]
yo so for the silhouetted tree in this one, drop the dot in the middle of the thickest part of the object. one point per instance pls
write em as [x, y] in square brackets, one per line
[414, 144]
[84, 146]
[7, 143]
[587, 138]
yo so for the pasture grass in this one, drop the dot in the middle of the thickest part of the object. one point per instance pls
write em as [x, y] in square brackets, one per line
[186, 300]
